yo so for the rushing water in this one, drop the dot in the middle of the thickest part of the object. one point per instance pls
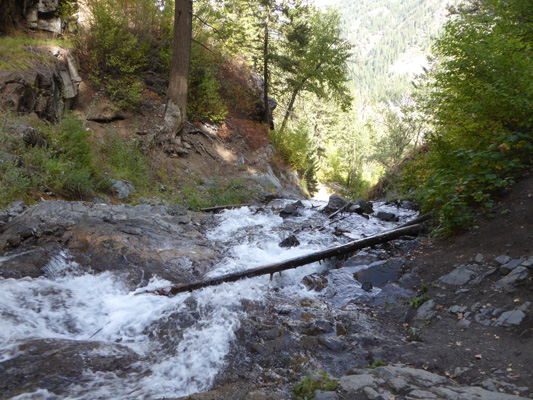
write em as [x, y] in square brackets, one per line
[181, 342]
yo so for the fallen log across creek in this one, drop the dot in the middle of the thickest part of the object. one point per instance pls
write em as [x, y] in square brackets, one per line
[222, 208]
[291, 263]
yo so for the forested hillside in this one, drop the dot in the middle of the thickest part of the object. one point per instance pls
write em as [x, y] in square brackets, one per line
[392, 39]
[331, 89]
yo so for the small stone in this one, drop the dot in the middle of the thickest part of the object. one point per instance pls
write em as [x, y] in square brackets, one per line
[426, 312]
[479, 258]
[386, 216]
[503, 259]
[457, 309]
[289, 242]
[464, 323]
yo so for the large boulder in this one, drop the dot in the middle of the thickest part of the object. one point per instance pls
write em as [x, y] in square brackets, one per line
[138, 242]
[335, 203]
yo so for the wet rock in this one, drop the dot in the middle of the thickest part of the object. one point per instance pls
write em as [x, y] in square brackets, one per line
[387, 216]
[140, 241]
[291, 210]
[367, 286]
[316, 282]
[409, 205]
[362, 207]
[55, 364]
[335, 203]
[380, 272]
[291, 241]
[461, 275]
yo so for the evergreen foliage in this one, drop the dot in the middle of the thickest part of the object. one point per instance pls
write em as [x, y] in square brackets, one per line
[479, 100]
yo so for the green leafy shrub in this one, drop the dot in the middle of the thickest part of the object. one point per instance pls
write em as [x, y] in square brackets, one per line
[297, 149]
[14, 182]
[127, 40]
[126, 161]
[204, 100]
[481, 109]
[305, 389]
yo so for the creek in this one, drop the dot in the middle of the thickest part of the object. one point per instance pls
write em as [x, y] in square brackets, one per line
[124, 344]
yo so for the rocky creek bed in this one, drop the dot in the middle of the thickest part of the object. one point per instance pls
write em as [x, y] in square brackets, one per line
[76, 326]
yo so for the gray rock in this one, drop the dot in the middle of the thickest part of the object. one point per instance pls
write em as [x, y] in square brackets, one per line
[426, 312]
[398, 384]
[457, 309]
[503, 259]
[422, 394]
[122, 189]
[525, 307]
[508, 267]
[16, 208]
[419, 376]
[386, 216]
[464, 323]
[479, 258]
[460, 275]
[353, 383]
[528, 262]
[510, 318]
[322, 395]
[54, 25]
[478, 393]
[335, 203]
[514, 278]
[380, 273]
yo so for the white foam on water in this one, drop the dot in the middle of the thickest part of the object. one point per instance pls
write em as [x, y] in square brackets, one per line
[69, 303]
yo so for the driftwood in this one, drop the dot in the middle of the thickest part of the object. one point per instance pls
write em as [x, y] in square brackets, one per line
[222, 208]
[293, 262]
[418, 220]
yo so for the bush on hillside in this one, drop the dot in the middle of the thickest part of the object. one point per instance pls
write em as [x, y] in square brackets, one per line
[480, 102]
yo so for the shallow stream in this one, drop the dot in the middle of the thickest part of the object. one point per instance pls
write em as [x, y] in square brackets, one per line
[158, 346]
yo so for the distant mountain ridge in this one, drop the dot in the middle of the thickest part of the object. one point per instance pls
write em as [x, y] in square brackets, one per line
[391, 39]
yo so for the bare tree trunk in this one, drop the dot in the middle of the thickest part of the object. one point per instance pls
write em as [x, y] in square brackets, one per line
[289, 108]
[176, 111]
[265, 67]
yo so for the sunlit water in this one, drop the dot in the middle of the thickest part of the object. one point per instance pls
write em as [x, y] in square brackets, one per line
[176, 360]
